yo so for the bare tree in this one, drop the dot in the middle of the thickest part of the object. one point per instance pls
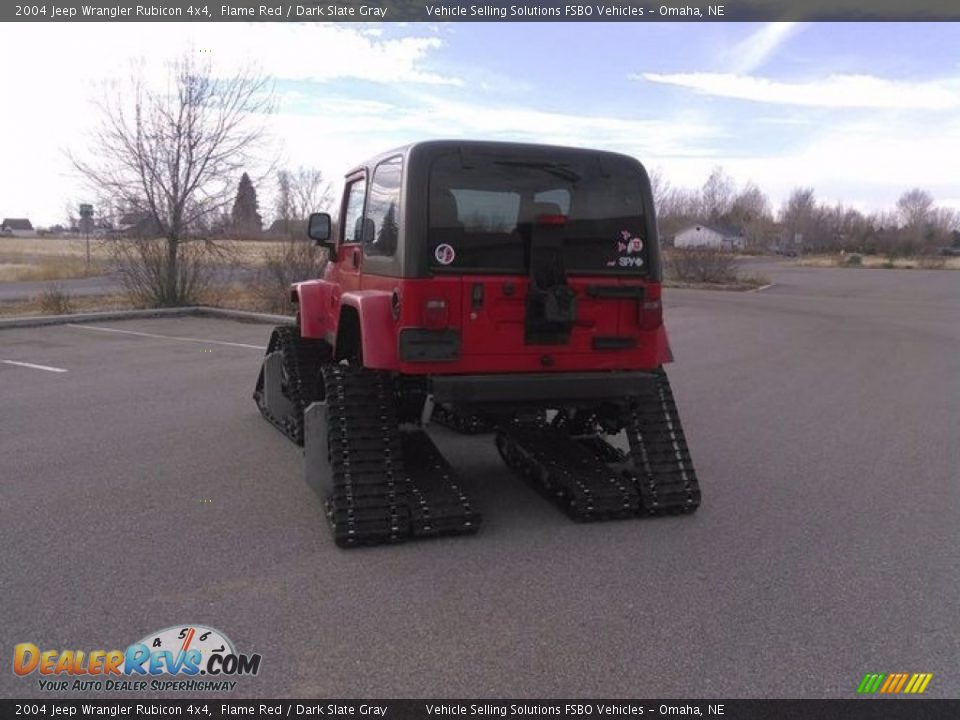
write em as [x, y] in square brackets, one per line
[660, 187]
[914, 208]
[71, 215]
[678, 208]
[311, 193]
[750, 212]
[173, 155]
[718, 192]
[798, 216]
[283, 206]
[296, 258]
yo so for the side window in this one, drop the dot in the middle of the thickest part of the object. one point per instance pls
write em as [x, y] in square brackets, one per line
[382, 224]
[356, 192]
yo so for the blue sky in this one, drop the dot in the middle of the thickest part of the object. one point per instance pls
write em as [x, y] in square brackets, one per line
[861, 112]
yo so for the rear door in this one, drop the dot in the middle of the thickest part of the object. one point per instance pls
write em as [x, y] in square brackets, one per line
[483, 220]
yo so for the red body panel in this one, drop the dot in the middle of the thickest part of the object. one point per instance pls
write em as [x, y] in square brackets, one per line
[317, 300]
[492, 335]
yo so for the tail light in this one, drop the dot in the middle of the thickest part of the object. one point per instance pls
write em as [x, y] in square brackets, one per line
[435, 314]
[651, 309]
[651, 315]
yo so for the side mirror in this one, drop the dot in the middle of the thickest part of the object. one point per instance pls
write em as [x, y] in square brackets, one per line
[319, 228]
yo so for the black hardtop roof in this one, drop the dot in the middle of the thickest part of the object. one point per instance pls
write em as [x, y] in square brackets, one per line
[482, 146]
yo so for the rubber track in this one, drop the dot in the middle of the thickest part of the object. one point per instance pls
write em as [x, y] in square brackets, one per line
[462, 423]
[302, 358]
[388, 484]
[568, 472]
[437, 504]
[591, 479]
[369, 502]
[658, 449]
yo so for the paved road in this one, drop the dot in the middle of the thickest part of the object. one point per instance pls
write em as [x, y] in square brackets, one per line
[101, 284]
[140, 489]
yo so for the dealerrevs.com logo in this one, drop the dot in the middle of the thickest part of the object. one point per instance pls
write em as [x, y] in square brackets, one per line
[194, 656]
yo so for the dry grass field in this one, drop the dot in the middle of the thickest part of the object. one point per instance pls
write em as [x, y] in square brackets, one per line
[879, 261]
[41, 305]
[60, 258]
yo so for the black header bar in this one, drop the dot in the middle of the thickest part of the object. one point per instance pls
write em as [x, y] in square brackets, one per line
[453, 11]
[215, 709]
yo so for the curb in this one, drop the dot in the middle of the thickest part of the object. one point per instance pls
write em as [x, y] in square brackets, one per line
[193, 311]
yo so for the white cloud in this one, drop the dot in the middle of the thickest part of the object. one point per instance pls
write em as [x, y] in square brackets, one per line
[670, 135]
[867, 164]
[321, 138]
[63, 67]
[834, 91]
[749, 54]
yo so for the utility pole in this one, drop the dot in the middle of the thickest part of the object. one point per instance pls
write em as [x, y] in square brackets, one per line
[86, 224]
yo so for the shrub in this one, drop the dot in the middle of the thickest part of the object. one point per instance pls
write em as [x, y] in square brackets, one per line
[933, 262]
[854, 259]
[157, 272]
[54, 300]
[701, 264]
[284, 264]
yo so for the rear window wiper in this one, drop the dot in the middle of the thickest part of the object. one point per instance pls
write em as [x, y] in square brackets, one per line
[559, 171]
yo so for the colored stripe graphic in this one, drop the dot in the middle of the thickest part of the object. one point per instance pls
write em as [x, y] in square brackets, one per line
[903, 679]
[891, 681]
[922, 682]
[870, 683]
[895, 683]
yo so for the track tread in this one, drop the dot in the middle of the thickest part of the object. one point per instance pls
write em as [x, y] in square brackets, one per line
[568, 473]
[590, 479]
[659, 454]
[302, 358]
[389, 484]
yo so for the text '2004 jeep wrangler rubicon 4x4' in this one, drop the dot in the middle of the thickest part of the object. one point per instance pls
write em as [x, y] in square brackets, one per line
[498, 287]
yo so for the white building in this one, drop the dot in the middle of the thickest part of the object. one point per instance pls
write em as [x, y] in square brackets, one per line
[705, 236]
[20, 227]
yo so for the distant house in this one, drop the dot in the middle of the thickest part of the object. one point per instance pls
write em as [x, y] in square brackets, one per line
[706, 236]
[20, 227]
[137, 224]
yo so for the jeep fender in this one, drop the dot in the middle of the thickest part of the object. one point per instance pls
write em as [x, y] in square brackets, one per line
[378, 330]
[315, 298]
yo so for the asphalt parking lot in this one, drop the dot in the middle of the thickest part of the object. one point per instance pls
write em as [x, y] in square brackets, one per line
[140, 489]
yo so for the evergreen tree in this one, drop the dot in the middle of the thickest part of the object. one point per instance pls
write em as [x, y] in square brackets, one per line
[246, 219]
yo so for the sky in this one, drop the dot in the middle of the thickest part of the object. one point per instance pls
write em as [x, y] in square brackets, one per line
[859, 111]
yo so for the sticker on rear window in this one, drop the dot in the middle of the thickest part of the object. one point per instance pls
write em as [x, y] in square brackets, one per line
[445, 254]
[628, 243]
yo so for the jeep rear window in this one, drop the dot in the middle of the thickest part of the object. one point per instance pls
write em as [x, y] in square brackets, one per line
[485, 212]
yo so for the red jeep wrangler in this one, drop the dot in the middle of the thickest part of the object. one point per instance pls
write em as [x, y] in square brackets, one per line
[490, 286]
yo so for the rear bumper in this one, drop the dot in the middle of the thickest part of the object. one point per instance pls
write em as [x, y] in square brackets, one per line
[539, 387]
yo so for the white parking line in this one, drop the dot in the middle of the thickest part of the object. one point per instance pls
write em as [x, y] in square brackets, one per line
[166, 337]
[31, 365]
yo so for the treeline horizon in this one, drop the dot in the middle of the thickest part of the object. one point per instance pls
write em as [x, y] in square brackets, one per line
[914, 226]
